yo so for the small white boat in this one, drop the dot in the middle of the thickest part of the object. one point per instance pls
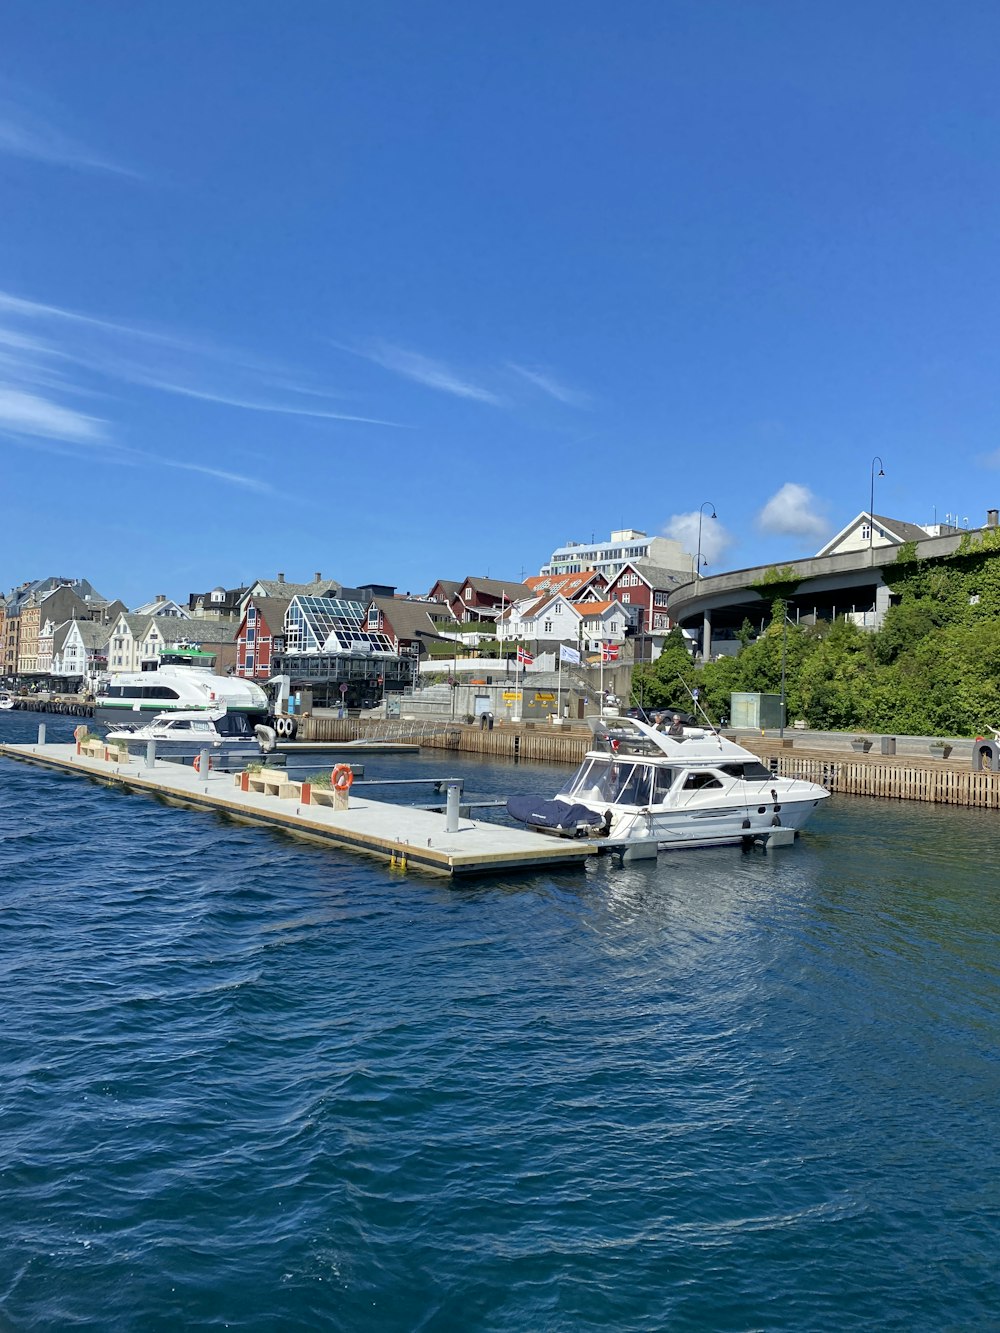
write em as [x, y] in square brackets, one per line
[6, 700]
[185, 733]
[638, 784]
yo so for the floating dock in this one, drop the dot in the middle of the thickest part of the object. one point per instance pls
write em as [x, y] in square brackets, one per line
[406, 837]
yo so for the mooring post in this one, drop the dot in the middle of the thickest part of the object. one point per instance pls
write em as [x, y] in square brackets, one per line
[203, 763]
[41, 733]
[151, 754]
[452, 809]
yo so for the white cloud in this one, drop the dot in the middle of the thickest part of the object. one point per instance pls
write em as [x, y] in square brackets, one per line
[28, 414]
[793, 511]
[548, 383]
[714, 539]
[423, 370]
[24, 133]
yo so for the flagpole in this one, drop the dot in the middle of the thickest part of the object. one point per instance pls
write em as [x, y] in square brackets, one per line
[559, 686]
[602, 675]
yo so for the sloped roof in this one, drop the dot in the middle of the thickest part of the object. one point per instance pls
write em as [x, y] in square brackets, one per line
[657, 576]
[281, 588]
[906, 532]
[411, 619]
[511, 589]
[272, 609]
[567, 584]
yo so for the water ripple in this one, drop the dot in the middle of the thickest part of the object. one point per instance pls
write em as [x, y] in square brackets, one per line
[252, 1083]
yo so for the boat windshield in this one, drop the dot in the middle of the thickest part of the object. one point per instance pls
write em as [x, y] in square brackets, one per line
[618, 782]
[233, 724]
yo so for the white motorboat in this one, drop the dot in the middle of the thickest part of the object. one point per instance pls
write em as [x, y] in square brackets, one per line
[185, 733]
[179, 679]
[695, 790]
[6, 700]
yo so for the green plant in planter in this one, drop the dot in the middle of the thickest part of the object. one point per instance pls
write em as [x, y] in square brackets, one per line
[254, 768]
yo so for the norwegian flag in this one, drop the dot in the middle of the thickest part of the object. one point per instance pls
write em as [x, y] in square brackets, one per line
[609, 652]
[524, 657]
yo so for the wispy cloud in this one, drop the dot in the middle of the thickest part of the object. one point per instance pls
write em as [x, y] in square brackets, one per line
[548, 383]
[423, 370]
[697, 532]
[65, 351]
[249, 405]
[26, 413]
[793, 511]
[25, 133]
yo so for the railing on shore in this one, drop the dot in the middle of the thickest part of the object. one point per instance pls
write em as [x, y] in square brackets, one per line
[944, 781]
[531, 740]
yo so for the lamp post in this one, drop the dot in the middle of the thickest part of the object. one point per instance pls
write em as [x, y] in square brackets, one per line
[871, 501]
[701, 515]
[785, 622]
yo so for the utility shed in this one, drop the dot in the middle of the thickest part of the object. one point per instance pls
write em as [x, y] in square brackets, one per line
[756, 712]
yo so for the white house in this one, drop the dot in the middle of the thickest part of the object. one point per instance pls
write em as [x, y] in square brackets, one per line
[79, 650]
[557, 619]
[868, 530]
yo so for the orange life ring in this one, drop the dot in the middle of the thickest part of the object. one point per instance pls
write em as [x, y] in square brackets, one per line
[342, 777]
[197, 763]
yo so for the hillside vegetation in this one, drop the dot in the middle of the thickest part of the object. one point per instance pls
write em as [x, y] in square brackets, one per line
[932, 669]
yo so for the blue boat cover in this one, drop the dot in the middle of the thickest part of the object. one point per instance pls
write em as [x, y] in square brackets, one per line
[550, 814]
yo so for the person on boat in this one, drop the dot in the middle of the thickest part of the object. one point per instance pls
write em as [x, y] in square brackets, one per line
[676, 727]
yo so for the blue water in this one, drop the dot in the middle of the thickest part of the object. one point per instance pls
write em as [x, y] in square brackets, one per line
[246, 1082]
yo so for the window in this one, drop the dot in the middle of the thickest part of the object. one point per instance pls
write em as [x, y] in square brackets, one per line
[547, 627]
[249, 665]
[468, 594]
[251, 615]
[251, 635]
[700, 781]
[625, 598]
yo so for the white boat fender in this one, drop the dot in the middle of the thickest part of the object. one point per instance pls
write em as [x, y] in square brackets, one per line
[266, 737]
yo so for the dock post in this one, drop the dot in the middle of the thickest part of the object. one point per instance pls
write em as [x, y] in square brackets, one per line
[41, 733]
[151, 754]
[452, 809]
[204, 763]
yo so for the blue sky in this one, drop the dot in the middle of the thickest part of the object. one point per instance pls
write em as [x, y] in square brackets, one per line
[401, 291]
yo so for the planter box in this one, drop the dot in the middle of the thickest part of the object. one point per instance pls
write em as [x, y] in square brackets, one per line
[861, 747]
[940, 751]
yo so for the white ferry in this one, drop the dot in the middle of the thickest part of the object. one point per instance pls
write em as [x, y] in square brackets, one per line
[179, 679]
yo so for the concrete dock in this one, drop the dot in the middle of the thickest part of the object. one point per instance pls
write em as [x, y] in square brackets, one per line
[406, 837]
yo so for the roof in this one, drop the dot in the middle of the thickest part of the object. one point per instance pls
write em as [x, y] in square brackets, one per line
[657, 576]
[271, 609]
[410, 620]
[510, 589]
[280, 588]
[596, 608]
[567, 584]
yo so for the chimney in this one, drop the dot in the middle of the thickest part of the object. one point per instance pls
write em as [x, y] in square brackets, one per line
[318, 577]
[281, 578]
[161, 596]
[992, 518]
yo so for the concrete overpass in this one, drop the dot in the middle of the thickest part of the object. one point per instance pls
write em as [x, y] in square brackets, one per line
[824, 587]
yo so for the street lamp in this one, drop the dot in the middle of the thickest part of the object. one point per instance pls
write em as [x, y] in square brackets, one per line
[701, 515]
[871, 501]
[785, 622]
